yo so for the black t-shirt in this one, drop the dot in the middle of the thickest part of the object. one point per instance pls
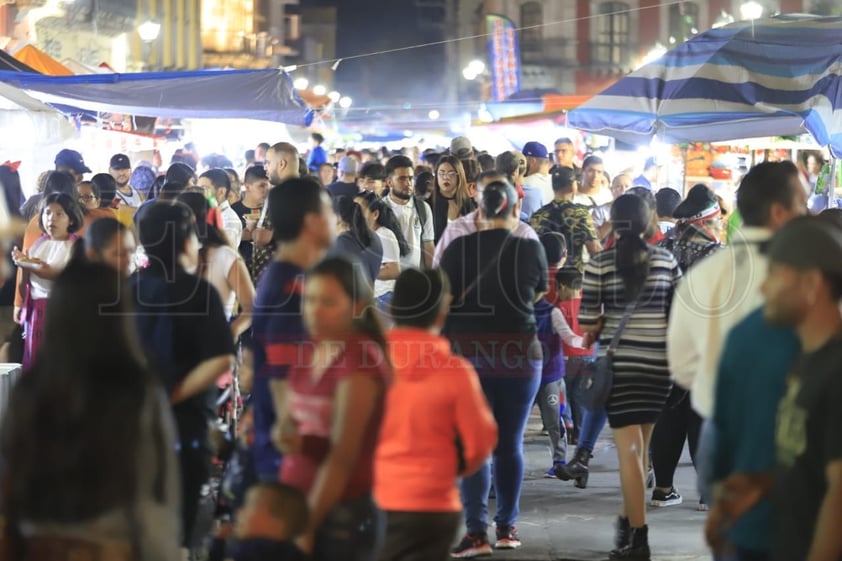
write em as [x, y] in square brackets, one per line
[340, 188]
[371, 257]
[181, 323]
[242, 210]
[808, 438]
[513, 270]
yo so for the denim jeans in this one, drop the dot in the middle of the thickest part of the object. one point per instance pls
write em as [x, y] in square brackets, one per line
[510, 398]
[592, 424]
[704, 460]
[350, 532]
[576, 375]
[384, 304]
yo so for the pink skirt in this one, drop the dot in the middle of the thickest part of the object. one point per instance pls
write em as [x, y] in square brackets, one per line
[33, 330]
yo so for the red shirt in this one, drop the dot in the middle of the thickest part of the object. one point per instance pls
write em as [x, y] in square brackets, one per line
[570, 311]
[311, 406]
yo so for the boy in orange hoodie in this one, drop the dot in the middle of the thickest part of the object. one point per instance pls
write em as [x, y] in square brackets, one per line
[437, 425]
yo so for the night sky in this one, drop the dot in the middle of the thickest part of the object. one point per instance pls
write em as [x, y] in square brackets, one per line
[373, 25]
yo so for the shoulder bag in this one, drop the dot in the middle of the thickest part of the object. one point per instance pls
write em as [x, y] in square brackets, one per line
[601, 371]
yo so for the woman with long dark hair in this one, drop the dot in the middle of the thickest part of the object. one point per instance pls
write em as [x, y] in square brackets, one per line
[335, 403]
[639, 280]
[221, 265]
[382, 220]
[97, 473]
[355, 238]
[451, 198]
[184, 332]
[496, 277]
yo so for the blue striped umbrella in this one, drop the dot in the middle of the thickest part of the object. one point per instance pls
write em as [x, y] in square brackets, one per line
[775, 76]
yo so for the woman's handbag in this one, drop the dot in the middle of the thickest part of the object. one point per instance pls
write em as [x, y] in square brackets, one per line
[601, 371]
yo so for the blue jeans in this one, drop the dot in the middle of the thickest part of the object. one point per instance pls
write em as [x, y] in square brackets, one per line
[704, 460]
[592, 424]
[384, 304]
[510, 398]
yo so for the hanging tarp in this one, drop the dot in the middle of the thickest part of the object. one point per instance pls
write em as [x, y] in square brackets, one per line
[203, 94]
[778, 76]
[32, 120]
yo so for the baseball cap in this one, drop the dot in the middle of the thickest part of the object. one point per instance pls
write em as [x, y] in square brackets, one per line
[120, 161]
[498, 198]
[73, 160]
[808, 242]
[348, 164]
[461, 147]
[535, 150]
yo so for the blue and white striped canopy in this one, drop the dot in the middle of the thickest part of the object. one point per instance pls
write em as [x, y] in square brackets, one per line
[779, 76]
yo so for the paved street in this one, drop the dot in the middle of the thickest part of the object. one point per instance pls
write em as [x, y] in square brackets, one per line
[561, 523]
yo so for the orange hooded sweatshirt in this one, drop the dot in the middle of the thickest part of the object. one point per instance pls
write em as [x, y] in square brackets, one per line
[437, 426]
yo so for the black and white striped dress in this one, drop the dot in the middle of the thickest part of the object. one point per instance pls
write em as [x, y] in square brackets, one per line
[641, 375]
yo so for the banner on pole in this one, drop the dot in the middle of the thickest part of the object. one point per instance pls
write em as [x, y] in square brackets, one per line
[503, 56]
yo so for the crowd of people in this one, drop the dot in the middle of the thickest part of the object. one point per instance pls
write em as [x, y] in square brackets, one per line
[389, 321]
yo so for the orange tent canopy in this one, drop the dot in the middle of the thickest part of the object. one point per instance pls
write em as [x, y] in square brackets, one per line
[553, 102]
[312, 100]
[41, 61]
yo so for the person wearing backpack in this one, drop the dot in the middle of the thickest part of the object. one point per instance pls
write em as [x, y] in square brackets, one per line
[414, 215]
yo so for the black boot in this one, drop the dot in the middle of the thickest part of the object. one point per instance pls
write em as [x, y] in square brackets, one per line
[576, 469]
[622, 531]
[637, 548]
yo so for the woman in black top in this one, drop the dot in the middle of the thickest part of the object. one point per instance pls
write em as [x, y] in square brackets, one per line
[355, 239]
[496, 277]
[450, 199]
[184, 333]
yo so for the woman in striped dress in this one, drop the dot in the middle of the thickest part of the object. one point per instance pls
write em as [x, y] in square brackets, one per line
[614, 278]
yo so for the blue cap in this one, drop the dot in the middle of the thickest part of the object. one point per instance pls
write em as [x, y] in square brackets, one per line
[535, 150]
[73, 160]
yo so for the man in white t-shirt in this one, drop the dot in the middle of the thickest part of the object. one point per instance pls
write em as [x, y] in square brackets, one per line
[594, 195]
[217, 184]
[414, 215]
[120, 169]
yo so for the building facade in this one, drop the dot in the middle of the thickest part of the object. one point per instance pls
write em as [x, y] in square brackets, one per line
[93, 32]
[582, 46]
[314, 42]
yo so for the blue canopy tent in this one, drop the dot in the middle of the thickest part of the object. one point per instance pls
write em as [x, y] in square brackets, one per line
[266, 95]
[778, 76]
